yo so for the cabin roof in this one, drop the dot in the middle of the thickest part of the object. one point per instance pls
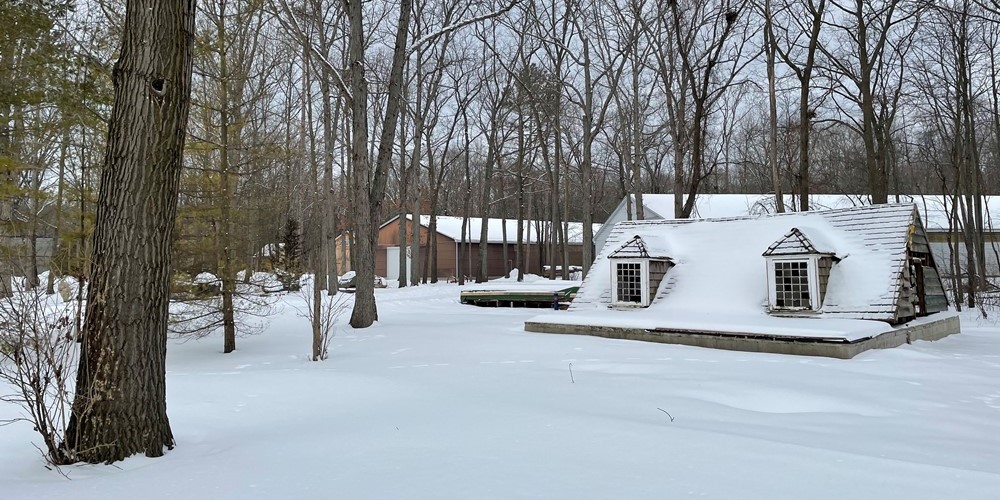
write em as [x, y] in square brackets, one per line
[797, 242]
[718, 263]
[642, 248]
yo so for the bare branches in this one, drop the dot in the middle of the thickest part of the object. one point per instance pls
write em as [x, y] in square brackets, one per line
[457, 25]
[38, 356]
[290, 20]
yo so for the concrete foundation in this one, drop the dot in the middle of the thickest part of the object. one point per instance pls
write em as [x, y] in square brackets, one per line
[926, 329]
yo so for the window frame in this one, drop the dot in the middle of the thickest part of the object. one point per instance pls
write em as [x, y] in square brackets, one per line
[812, 274]
[644, 282]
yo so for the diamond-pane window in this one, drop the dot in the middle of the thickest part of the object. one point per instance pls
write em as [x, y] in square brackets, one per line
[791, 282]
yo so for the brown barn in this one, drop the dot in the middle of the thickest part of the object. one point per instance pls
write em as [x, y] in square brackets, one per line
[500, 257]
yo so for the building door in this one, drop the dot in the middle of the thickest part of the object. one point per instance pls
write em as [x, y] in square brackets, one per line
[392, 263]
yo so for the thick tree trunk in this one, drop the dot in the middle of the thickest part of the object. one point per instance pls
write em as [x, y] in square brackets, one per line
[120, 404]
[363, 250]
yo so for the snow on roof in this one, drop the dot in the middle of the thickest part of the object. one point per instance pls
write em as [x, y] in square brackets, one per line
[709, 206]
[451, 227]
[719, 267]
[935, 210]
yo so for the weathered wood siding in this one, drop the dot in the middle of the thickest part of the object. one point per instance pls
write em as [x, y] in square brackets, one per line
[657, 270]
[934, 293]
[906, 308]
[825, 265]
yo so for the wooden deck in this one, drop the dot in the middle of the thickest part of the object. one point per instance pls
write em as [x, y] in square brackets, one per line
[549, 295]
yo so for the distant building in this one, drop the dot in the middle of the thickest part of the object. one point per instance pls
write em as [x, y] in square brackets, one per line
[499, 260]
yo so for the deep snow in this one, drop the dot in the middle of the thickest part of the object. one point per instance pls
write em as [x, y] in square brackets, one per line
[444, 401]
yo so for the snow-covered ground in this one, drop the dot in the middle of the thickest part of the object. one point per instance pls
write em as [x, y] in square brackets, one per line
[445, 401]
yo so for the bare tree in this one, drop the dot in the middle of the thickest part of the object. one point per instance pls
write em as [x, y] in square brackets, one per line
[869, 44]
[801, 36]
[702, 50]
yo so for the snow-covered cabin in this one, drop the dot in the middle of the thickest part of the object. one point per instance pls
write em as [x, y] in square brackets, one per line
[501, 251]
[943, 220]
[842, 277]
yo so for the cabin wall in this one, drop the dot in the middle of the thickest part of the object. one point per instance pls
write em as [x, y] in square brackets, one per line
[657, 270]
[934, 293]
[906, 305]
[933, 254]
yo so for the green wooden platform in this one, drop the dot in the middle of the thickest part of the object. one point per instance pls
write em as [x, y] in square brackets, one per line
[522, 295]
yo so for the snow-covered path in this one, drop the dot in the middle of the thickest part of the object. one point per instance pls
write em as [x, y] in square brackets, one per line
[445, 401]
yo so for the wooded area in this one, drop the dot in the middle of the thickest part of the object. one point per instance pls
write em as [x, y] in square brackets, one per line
[145, 145]
[312, 120]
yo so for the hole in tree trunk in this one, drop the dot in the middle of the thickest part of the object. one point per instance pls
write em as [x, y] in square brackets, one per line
[159, 86]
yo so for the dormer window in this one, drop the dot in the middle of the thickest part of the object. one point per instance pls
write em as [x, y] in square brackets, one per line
[630, 277]
[636, 274]
[798, 269]
[792, 284]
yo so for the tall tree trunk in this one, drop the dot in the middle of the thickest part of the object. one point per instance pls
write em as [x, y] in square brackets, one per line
[483, 274]
[521, 262]
[57, 228]
[31, 278]
[317, 310]
[413, 189]
[772, 101]
[369, 183]
[329, 201]
[120, 405]
[6, 186]
[227, 271]
[463, 248]
[404, 217]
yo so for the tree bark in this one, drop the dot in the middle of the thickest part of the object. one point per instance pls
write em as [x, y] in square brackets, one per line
[120, 403]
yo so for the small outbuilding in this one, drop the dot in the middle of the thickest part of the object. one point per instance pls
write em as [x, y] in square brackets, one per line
[453, 257]
[827, 283]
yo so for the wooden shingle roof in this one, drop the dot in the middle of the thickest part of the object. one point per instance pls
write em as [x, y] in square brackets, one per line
[637, 248]
[871, 240]
[795, 242]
